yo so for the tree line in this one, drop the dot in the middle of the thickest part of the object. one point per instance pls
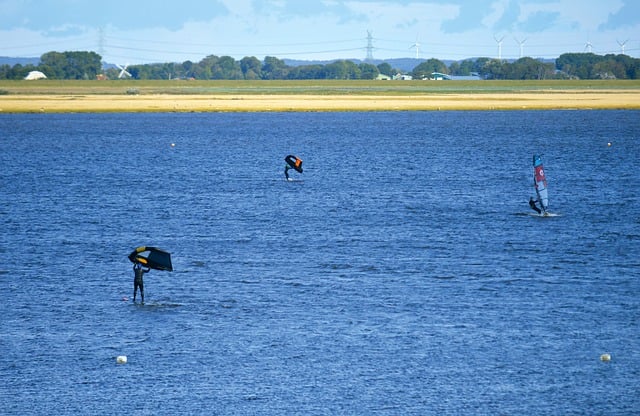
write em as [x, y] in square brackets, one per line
[88, 65]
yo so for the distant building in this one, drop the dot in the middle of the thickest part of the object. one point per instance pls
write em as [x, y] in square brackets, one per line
[383, 77]
[33, 75]
[473, 76]
[403, 77]
[438, 76]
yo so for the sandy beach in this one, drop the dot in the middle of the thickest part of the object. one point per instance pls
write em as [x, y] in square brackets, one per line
[557, 99]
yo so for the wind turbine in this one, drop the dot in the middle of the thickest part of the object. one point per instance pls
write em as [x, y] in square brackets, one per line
[521, 43]
[417, 46]
[499, 41]
[588, 46]
[123, 71]
[622, 45]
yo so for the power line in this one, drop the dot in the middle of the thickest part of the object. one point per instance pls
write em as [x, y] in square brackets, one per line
[233, 45]
[146, 50]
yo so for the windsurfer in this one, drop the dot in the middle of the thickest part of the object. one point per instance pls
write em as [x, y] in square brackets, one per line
[532, 204]
[138, 272]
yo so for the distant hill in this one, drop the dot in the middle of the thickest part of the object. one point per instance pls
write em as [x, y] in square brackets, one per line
[7, 60]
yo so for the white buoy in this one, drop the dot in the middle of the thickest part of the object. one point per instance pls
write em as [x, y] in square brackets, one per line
[609, 144]
[121, 359]
[173, 145]
[605, 357]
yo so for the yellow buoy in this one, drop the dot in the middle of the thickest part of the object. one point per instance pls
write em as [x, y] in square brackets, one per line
[605, 357]
[121, 359]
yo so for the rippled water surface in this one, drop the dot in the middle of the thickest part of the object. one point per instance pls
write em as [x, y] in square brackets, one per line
[401, 273]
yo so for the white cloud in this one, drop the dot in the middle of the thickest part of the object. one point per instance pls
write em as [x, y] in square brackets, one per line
[497, 10]
[575, 13]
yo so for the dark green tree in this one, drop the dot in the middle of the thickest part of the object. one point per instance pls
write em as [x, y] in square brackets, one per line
[464, 68]
[203, 69]
[137, 70]
[368, 71]
[5, 70]
[306, 72]
[341, 70]
[226, 68]
[187, 67]
[52, 64]
[251, 67]
[274, 68]
[579, 65]
[494, 69]
[480, 63]
[426, 68]
[71, 65]
[454, 69]
[172, 71]
[386, 69]
[19, 71]
[529, 68]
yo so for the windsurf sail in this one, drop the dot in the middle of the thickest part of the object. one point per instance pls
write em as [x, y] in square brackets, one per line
[152, 257]
[295, 162]
[540, 183]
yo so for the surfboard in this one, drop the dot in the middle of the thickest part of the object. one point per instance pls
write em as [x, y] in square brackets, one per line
[545, 215]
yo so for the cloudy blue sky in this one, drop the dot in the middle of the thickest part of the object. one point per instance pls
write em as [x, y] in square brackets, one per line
[145, 31]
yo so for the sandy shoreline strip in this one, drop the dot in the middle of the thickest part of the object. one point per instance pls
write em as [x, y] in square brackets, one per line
[628, 99]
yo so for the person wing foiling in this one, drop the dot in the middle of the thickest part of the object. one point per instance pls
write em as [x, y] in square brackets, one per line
[293, 162]
[138, 281]
[145, 258]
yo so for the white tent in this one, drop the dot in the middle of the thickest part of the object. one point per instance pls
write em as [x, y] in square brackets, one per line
[35, 75]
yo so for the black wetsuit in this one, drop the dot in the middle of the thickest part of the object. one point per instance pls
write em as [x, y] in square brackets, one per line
[533, 206]
[286, 171]
[138, 272]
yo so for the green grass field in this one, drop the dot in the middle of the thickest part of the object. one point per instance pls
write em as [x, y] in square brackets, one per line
[307, 87]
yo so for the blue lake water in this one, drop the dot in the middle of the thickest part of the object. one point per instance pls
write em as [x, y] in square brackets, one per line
[401, 273]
